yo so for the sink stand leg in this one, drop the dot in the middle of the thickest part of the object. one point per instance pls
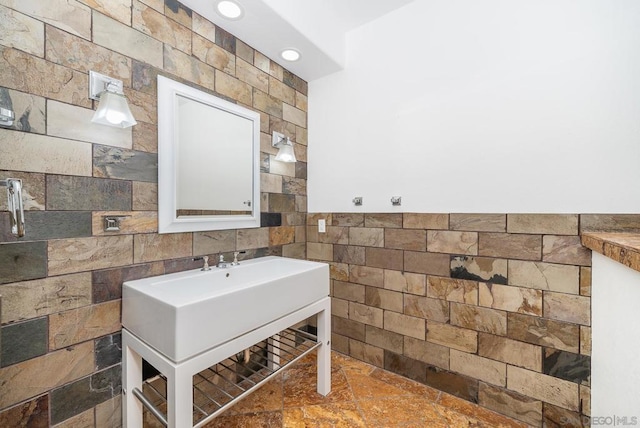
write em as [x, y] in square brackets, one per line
[132, 370]
[324, 350]
[180, 398]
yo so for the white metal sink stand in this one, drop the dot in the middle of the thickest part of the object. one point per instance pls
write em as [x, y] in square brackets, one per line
[179, 376]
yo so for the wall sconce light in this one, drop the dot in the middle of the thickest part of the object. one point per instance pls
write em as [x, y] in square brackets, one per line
[6, 117]
[285, 148]
[113, 109]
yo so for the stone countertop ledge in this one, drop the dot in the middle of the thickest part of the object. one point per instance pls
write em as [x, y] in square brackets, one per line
[621, 247]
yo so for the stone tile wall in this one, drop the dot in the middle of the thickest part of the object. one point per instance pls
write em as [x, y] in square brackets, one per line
[493, 308]
[61, 283]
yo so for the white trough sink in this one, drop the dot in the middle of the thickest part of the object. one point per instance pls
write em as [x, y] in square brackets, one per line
[186, 313]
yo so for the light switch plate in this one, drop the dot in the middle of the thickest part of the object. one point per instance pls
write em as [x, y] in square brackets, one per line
[322, 225]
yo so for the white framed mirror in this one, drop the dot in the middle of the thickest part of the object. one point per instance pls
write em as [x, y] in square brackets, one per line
[208, 154]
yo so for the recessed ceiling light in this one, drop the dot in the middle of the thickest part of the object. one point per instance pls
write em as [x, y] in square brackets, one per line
[229, 9]
[290, 55]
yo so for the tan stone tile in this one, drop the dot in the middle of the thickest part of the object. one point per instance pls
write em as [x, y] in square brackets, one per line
[74, 123]
[276, 70]
[39, 153]
[121, 38]
[38, 375]
[268, 104]
[347, 219]
[544, 276]
[270, 183]
[348, 291]
[33, 193]
[203, 27]
[333, 235]
[281, 235]
[82, 324]
[452, 242]
[567, 307]
[384, 339]
[480, 319]
[404, 324]
[339, 343]
[116, 9]
[213, 242]
[281, 91]
[428, 263]
[84, 254]
[145, 196]
[510, 298]
[454, 290]
[545, 332]
[585, 281]
[585, 340]
[510, 246]
[109, 413]
[36, 76]
[566, 250]
[405, 282]
[302, 137]
[510, 403]
[339, 307]
[453, 337]
[21, 32]
[319, 251]
[542, 387]
[424, 307]
[367, 353]
[212, 54]
[384, 299]
[297, 250]
[145, 137]
[384, 258]
[244, 51]
[484, 369]
[294, 115]
[158, 26]
[609, 222]
[252, 75]
[82, 55]
[247, 239]
[405, 239]
[31, 299]
[72, 17]
[585, 399]
[546, 224]
[312, 218]
[178, 13]
[388, 220]
[478, 222]
[366, 236]
[366, 275]
[510, 351]
[144, 107]
[156, 4]
[151, 247]
[302, 102]
[365, 314]
[190, 68]
[234, 88]
[427, 352]
[261, 61]
[132, 222]
[425, 221]
[339, 271]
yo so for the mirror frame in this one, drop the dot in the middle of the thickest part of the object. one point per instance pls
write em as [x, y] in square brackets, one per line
[168, 221]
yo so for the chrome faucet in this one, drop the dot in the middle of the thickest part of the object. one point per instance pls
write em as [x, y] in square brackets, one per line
[235, 261]
[206, 262]
[221, 263]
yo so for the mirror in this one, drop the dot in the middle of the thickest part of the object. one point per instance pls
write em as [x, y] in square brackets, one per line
[208, 171]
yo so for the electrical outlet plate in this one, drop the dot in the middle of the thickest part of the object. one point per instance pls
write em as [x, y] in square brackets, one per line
[322, 226]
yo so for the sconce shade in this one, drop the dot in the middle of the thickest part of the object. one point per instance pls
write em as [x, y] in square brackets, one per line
[113, 110]
[285, 151]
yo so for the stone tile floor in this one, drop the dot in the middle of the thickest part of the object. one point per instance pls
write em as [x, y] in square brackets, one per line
[362, 396]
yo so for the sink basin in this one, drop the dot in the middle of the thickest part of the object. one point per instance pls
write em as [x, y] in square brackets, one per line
[185, 313]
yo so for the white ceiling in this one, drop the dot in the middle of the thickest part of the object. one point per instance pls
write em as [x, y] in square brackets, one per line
[316, 28]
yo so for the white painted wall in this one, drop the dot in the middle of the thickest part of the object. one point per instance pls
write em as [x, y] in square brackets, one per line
[483, 106]
[615, 293]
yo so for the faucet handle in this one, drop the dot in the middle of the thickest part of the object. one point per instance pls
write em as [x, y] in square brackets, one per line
[235, 257]
[221, 259]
